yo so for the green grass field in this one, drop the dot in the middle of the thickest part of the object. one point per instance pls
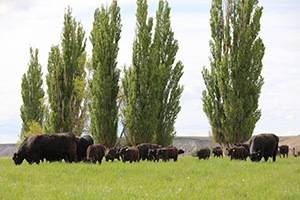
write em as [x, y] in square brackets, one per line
[189, 178]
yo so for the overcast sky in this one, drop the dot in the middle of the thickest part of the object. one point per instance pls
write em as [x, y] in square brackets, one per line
[39, 24]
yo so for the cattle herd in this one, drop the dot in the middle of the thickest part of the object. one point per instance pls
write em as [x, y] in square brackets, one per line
[68, 147]
[259, 146]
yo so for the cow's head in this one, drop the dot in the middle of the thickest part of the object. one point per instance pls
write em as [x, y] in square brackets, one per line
[18, 159]
[257, 156]
[180, 151]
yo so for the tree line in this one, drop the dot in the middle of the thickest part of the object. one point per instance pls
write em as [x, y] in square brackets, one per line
[92, 94]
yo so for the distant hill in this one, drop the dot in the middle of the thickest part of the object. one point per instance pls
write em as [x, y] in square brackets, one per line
[7, 150]
[292, 142]
[192, 144]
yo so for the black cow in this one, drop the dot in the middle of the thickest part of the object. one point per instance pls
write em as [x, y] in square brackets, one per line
[130, 154]
[163, 154]
[82, 144]
[113, 153]
[167, 153]
[144, 149]
[95, 152]
[263, 146]
[203, 153]
[284, 151]
[50, 147]
[218, 152]
[238, 153]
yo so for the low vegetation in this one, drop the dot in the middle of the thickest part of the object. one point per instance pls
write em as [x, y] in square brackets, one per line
[189, 178]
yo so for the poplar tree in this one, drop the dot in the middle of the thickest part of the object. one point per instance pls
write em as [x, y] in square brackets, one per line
[66, 79]
[151, 85]
[140, 112]
[104, 87]
[234, 81]
[169, 72]
[32, 109]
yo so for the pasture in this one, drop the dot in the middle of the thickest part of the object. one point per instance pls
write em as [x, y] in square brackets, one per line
[189, 178]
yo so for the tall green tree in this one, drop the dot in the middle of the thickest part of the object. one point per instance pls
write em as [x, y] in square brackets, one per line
[104, 87]
[151, 86]
[32, 110]
[169, 72]
[140, 112]
[234, 81]
[66, 79]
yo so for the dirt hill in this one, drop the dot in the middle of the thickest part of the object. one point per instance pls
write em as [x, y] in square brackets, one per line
[292, 142]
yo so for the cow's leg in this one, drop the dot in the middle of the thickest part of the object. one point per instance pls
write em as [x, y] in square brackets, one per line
[35, 158]
[266, 158]
[274, 157]
[73, 158]
[175, 158]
